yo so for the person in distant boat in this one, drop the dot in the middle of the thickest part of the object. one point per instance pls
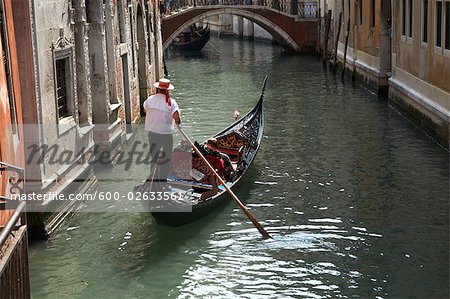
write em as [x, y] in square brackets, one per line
[236, 115]
[208, 175]
[219, 161]
[168, 6]
[187, 34]
[226, 170]
[162, 7]
[161, 112]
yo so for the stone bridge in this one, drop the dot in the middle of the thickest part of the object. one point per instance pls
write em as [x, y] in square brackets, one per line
[295, 33]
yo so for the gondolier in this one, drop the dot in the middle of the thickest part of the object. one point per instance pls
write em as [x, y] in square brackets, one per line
[161, 112]
[240, 142]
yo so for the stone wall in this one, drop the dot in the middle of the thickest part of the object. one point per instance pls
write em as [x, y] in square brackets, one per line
[89, 64]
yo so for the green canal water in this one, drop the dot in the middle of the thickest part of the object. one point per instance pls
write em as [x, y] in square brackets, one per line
[355, 197]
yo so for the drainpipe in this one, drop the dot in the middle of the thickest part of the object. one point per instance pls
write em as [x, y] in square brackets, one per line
[37, 72]
[355, 35]
[319, 40]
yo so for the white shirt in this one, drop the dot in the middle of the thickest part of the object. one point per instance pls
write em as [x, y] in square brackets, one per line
[158, 118]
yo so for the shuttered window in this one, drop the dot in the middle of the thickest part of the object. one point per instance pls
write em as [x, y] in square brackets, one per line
[372, 13]
[6, 61]
[403, 8]
[425, 21]
[438, 24]
[447, 25]
[360, 12]
[410, 18]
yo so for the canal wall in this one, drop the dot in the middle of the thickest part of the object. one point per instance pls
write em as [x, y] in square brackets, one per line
[14, 267]
[419, 85]
[368, 41]
[394, 58]
[14, 275]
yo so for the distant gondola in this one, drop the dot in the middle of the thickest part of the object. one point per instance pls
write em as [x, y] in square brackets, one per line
[240, 141]
[193, 41]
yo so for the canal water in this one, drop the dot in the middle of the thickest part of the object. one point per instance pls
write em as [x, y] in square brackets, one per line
[355, 197]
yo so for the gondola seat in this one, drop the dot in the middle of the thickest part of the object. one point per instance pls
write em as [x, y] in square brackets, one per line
[233, 145]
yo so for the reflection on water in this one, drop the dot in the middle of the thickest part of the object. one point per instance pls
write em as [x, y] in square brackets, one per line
[355, 197]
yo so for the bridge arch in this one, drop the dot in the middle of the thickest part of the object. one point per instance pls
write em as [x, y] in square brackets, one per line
[283, 27]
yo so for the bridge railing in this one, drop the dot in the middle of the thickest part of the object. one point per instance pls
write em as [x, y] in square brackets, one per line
[301, 8]
[308, 9]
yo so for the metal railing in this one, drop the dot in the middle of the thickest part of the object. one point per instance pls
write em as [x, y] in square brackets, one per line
[12, 223]
[14, 274]
[303, 9]
[308, 10]
[15, 181]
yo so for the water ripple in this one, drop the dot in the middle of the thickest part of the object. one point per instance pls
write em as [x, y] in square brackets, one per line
[355, 197]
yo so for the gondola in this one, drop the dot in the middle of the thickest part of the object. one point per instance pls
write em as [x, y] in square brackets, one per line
[197, 40]
[240, 141]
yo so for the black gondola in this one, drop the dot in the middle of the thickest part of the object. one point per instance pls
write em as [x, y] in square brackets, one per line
[192, 41]
[241, 142]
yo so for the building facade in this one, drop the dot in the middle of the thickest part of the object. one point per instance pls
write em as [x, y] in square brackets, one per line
[87, 67]
[401, 48]
[11, 136]
[14, 276]
[364, 39]
[420, 81]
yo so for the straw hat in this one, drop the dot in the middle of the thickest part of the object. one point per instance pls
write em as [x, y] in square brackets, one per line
[163, 84]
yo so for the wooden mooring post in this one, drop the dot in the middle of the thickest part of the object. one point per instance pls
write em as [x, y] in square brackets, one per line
[347, 34]
[319, 35]
[327, 33]
[336, 42]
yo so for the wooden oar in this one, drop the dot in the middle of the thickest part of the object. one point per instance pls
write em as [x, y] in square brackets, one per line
[236, 199]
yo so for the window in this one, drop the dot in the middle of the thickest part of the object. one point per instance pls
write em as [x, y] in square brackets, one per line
[63, 82]
[62, 87]
[122, 29]
[403, 17]
[6, 60]
[360, 12]
[425, 21]
[130, 12]
[372, 13]
[447, 25]
[438, 24]
[89, 12]
[410, 18]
